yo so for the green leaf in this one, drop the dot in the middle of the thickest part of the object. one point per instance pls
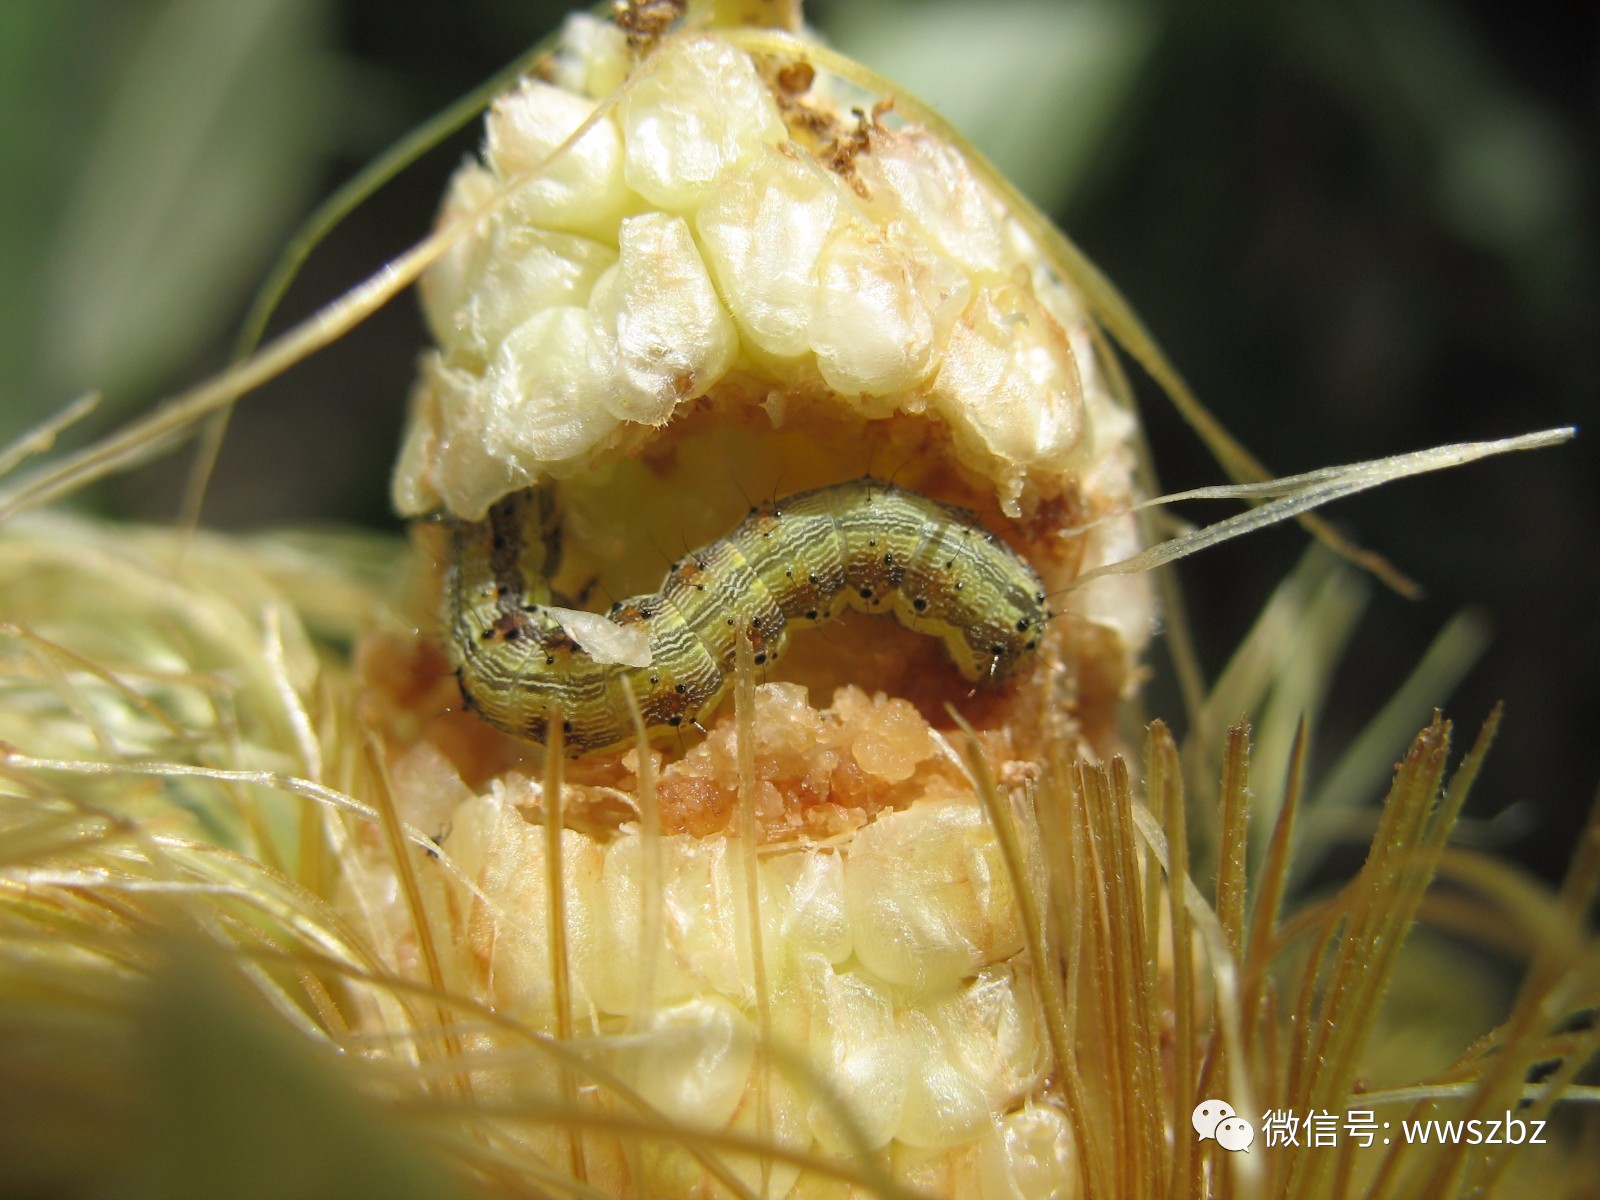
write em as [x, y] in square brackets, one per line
[203, 154]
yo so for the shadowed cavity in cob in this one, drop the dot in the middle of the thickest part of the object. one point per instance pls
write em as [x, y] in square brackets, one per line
[719, 276]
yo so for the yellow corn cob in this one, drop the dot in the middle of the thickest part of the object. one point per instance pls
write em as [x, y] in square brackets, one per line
[717, 273]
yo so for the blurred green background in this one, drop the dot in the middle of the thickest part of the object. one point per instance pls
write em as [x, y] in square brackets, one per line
[1359, 227]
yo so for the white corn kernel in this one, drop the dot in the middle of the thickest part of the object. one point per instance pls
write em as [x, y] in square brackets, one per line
[696, 1060]
[659, 329]
[928, 895]
[581, 188]
[526, 272]
[764, 230]
[860, 1049]
[701, 111]
[1028, 1156]
[883, 309]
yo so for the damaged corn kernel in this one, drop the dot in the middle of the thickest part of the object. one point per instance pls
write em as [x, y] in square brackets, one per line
[904, 1013]
[713, 274]
[704, 229]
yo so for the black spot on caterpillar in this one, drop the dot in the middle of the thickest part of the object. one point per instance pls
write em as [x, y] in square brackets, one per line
[865, 544]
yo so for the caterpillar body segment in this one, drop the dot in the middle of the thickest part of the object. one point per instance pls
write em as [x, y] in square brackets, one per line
[864, 544]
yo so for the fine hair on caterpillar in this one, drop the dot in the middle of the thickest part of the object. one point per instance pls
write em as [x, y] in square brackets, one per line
[864, 544]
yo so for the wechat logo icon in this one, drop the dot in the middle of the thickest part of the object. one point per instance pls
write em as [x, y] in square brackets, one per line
[1216, 1119]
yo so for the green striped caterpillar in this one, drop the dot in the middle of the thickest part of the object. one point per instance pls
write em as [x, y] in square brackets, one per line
[864, 544]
